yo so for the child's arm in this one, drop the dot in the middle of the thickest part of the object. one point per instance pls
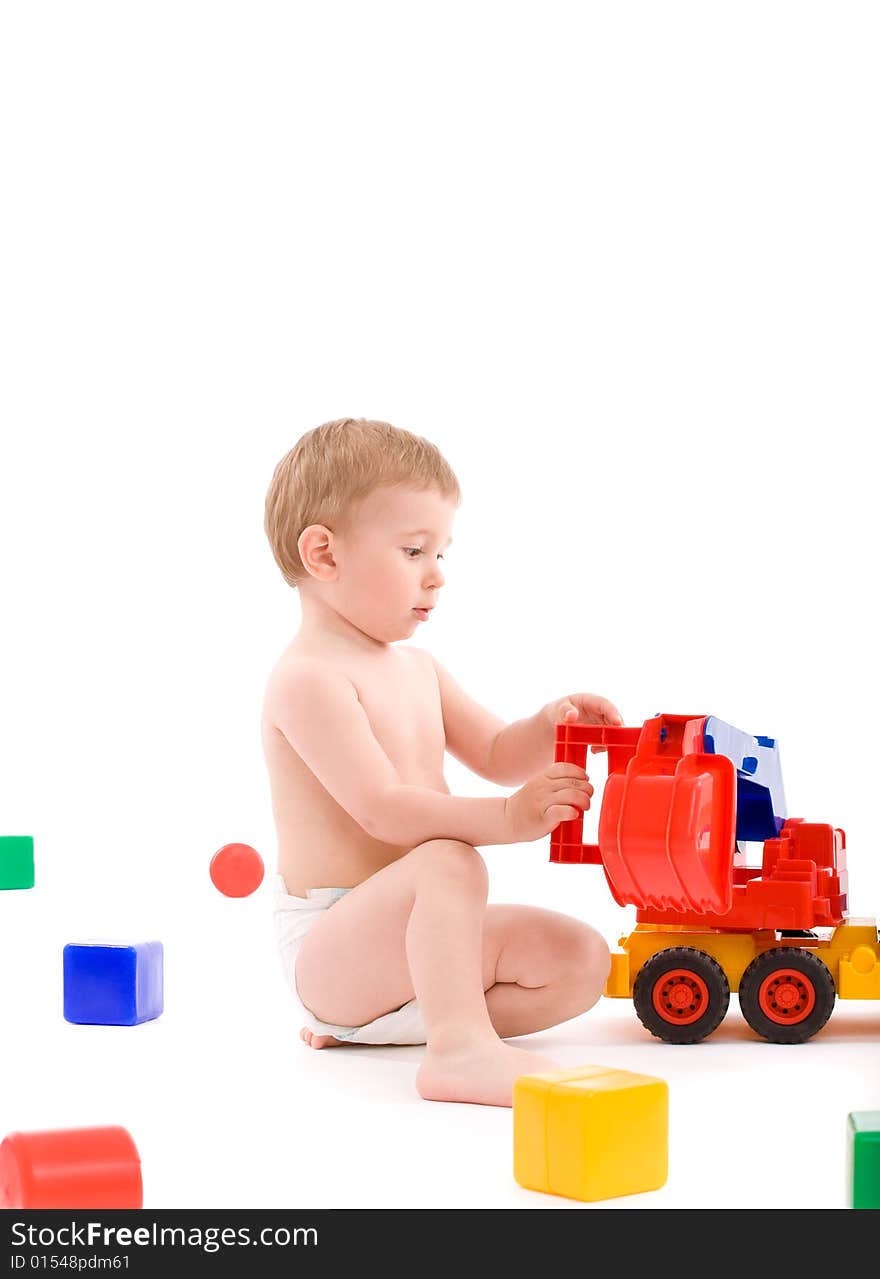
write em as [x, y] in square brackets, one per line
[319, 713]
[508, 754]
[502, 753]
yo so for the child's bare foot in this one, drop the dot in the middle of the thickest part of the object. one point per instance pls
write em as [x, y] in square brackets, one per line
[481, 1072]
[319, 1041]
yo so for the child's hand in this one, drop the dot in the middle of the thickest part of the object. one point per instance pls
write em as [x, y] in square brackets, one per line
[557, 795]
[584, 708]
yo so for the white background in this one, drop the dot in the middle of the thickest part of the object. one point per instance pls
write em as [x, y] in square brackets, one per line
[620, 262]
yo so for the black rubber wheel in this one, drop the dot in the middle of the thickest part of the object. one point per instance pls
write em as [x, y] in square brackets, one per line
[681, 995]
[786, 995]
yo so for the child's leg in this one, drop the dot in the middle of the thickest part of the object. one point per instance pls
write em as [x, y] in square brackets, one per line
[540, 968]
[416, 927]
[546, 968]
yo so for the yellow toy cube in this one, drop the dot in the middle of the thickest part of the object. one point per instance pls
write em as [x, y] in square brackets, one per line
[590, 1133]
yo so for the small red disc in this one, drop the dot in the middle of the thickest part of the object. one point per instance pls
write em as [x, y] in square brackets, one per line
[237, 870]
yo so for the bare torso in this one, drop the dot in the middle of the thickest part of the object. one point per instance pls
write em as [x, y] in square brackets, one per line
[319, 844]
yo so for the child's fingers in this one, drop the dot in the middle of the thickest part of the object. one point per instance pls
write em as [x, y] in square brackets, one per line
[567, 789]
[568, 797]
[557, 813]
[610, 713]
[562, 769]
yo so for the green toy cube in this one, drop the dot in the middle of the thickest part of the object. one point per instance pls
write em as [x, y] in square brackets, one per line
[863, 1158]
[16, 861]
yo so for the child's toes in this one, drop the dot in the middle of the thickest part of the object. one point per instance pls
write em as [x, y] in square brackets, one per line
[318, 1041]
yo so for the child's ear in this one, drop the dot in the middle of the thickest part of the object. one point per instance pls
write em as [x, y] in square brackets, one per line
[315, 546]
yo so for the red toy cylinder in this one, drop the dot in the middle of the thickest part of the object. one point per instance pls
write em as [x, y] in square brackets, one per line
[70, 1168]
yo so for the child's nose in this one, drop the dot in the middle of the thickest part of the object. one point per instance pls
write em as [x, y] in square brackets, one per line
[434, 576]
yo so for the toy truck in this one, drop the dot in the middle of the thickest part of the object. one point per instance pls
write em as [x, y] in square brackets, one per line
[684, 796]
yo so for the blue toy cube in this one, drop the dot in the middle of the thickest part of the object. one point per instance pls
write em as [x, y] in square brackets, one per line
[111, 984]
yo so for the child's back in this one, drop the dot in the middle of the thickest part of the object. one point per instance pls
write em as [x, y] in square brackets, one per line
[319, 843]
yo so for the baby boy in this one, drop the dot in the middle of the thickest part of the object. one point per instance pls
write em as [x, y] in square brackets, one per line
[381, 908]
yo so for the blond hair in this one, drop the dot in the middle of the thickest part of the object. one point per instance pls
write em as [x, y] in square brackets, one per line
[335, 465]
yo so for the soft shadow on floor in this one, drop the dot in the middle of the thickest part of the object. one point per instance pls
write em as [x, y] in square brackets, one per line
[848, 1023]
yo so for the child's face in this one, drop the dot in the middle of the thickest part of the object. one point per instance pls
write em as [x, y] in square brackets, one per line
[390, 557]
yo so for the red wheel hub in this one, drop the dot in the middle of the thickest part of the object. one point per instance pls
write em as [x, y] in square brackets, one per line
[680, 996]
[786, 997]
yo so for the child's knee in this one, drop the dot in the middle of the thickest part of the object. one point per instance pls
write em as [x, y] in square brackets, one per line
[588, 963]
[452, 859]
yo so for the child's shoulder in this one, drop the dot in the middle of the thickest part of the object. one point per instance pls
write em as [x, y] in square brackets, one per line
[289, 668]
[296, 664]
[420, 658]
[418, 654]
[297, 679]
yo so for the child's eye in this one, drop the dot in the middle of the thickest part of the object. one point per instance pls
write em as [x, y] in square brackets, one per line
[417, 550]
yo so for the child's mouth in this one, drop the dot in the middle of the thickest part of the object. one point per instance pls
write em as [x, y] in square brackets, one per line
[422, 613]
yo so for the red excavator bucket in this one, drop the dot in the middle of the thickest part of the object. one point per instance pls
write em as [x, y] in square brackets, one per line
[667, 827]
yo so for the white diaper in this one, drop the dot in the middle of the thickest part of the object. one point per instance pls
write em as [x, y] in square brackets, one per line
[294, 916]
